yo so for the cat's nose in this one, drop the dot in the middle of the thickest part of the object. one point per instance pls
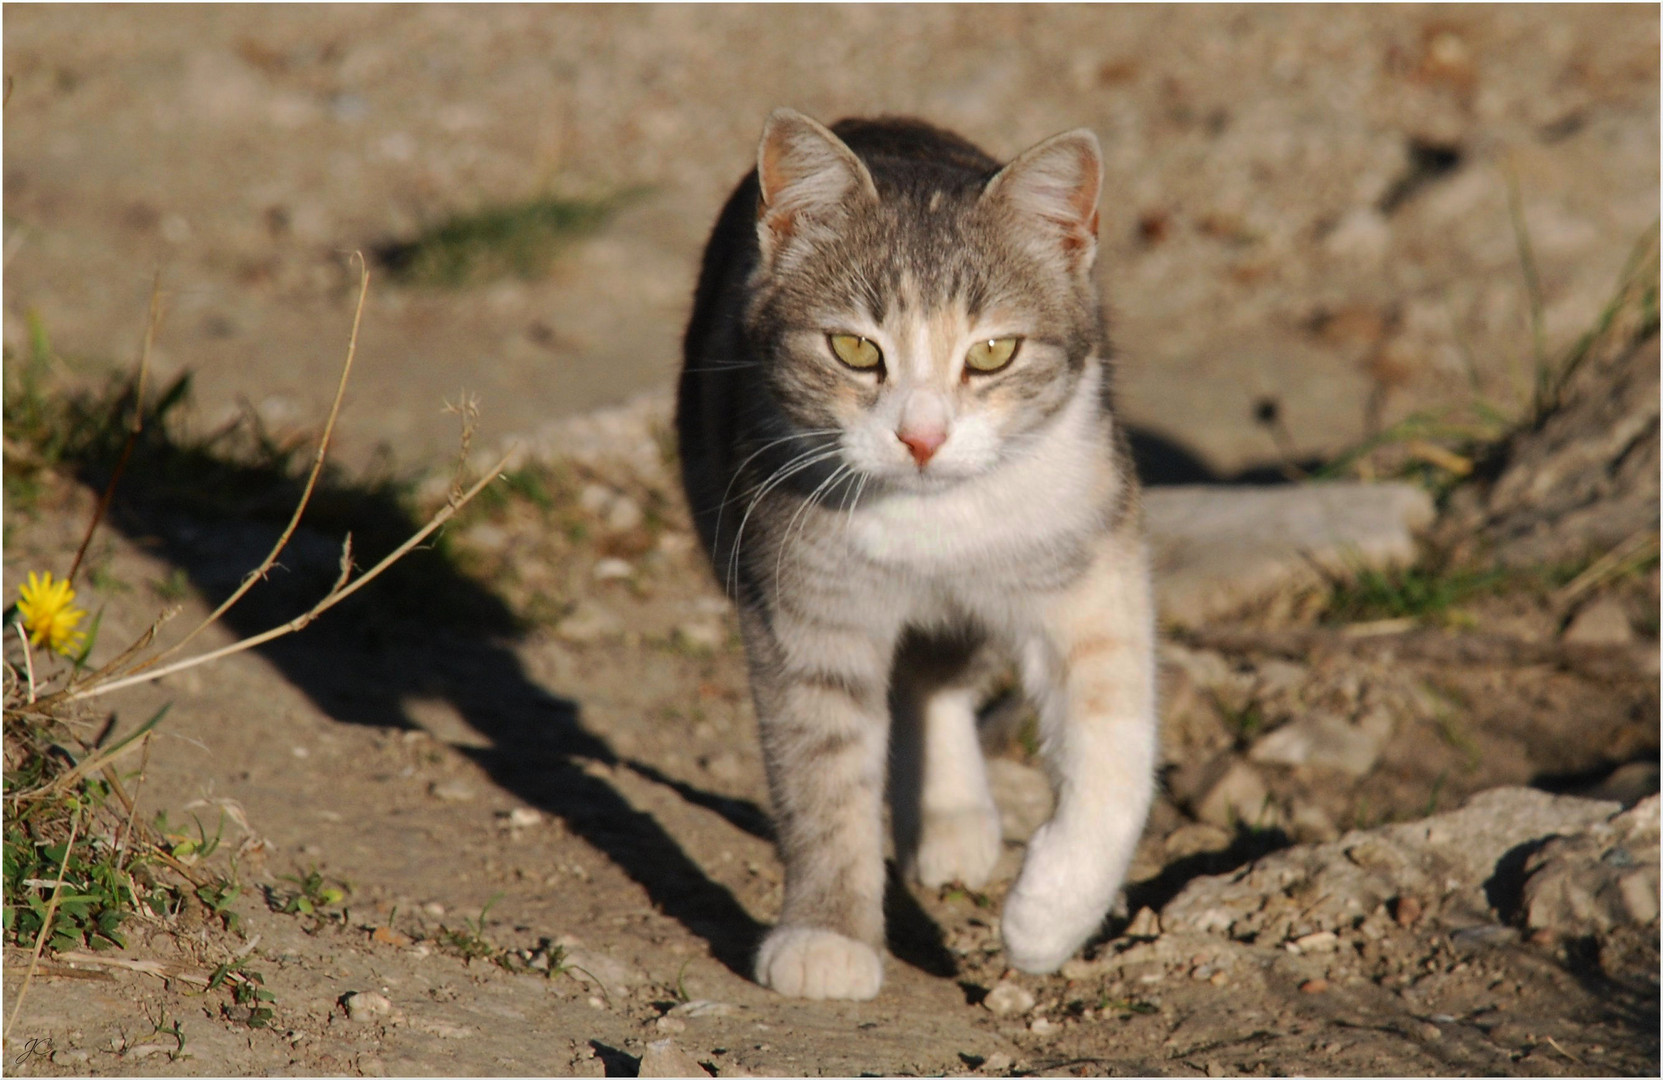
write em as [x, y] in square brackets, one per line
[922, 443]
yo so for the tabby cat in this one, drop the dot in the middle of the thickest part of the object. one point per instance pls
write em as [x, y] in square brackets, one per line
[898, 444]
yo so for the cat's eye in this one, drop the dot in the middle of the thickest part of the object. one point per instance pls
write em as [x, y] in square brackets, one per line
[986, 357]
[860, 353]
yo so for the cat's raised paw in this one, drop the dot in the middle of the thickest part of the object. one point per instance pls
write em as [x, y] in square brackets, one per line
[1059, 901]
[805, 962]
[958, 845]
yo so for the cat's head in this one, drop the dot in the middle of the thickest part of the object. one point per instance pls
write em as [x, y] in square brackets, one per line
[934, 309]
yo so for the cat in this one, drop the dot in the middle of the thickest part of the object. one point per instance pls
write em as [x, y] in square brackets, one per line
[898, 446]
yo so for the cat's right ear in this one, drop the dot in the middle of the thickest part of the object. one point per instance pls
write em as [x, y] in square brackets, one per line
[807, 177]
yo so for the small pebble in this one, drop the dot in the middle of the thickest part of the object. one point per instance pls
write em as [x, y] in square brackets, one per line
[1314, 986]
[700, 1007]
[613, 569]
[1042, 1026]
[1321, 941]
[1407, 911]
[670, 1025]
[997, 1063]
[523, 817]
[451, 791]
[142, 1050]
[366, 1005]
[386, 935]
[664, 1058]
[1008, 999]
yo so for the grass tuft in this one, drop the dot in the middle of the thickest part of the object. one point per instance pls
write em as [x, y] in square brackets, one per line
[514, 240]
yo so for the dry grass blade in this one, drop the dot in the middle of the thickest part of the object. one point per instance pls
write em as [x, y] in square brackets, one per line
[46, 922]
[333, 597]
[1634, 551]
[96, 761]
[259, 572]
[160, 969]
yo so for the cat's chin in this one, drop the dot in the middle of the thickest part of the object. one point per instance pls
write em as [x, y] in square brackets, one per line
[926, 482]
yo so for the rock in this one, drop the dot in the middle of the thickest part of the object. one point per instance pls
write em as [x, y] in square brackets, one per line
[997, 1062]
[1450, 855]
[1195, 838]
[665, 1058]
[522, 817]
[1602, 622]
[365, 1006]
[700, 1007]
[1603, 876]
[1042, 1026]
[1023, 796]
[1314, 986]
[1581, 481]
[1217, 548]
[1326, 740]
[612, 569]
[1627, 784]
[1008, 999]
[1145, 924]
[1321, 941]
[591, 966]
[624, 514]
[1238, 798]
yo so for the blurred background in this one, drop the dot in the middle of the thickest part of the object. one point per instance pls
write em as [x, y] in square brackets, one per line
[1313, 217]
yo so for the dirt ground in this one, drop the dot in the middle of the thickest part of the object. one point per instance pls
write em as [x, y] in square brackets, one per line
[545, 744]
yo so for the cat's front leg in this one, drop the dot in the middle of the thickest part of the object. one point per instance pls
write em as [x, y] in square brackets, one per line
[820, 707]
[1092, 669]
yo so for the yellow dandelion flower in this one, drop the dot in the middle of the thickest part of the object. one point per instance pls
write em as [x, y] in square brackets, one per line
[43, 604]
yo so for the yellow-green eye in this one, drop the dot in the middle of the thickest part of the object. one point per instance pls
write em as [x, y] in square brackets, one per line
[991, 355]
[858, 352]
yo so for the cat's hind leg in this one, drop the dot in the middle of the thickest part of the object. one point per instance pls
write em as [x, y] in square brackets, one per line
[945, 822]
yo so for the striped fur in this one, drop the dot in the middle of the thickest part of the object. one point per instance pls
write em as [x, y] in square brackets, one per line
[886, 531]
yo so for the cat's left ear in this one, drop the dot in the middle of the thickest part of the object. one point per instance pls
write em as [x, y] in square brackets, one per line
[1052, 189]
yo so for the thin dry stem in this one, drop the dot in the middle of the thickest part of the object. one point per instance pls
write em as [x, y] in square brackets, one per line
[28, 660]
[135, 425]
[46, 922]
[259, 573]
[333, 597]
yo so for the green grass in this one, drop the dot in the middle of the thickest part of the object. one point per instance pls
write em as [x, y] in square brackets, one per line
[1424, 593]
[512, 240]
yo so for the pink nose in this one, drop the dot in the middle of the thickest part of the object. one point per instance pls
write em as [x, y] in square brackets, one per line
[922, 443]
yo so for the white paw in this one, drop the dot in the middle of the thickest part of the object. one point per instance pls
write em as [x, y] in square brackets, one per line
[1056, 905]
[804, 962]
[958, 845]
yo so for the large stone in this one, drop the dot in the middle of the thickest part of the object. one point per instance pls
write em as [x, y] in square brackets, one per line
[1217, 548]
[1603, 876]
[1326, 740]
[1458, 857]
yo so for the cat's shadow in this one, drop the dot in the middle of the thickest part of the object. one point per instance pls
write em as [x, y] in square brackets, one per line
[431, 632]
